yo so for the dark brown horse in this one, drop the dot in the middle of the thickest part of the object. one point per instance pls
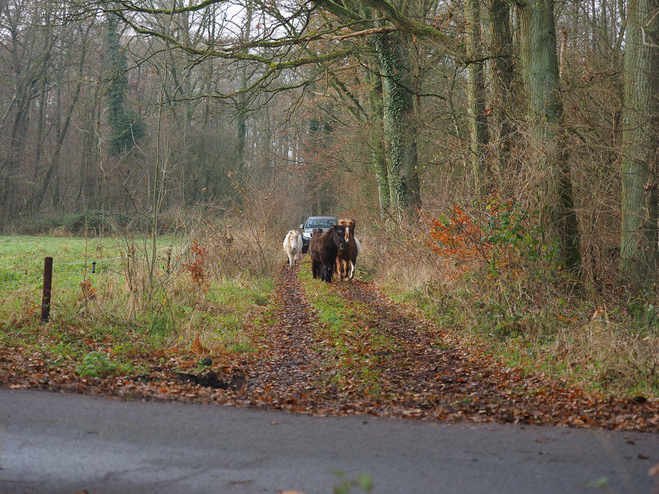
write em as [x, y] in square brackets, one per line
[323, 250]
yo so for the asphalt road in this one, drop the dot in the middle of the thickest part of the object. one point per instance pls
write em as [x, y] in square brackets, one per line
[63, 443]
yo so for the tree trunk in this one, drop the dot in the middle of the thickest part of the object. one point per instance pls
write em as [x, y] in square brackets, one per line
[503, 76]
[377, 144]
[242, 96]
[546, 116]
[403, 178]
[638, 247]
[479, 136]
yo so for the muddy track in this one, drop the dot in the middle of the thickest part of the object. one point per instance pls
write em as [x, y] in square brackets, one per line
[419, 377]
[290, 370]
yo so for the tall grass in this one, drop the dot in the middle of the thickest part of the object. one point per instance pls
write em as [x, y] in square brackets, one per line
[107, 310]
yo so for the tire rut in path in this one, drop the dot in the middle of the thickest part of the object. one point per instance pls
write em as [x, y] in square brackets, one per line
[417, 378]
[424, 376]
[288, 374]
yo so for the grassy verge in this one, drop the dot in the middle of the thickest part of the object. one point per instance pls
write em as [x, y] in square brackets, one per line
[347, 336]
[601, 352]
[114, 307]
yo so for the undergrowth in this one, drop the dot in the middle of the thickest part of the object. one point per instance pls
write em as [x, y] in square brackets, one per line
[481, 273]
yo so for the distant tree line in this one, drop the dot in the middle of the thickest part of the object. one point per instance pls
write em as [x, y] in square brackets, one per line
[394, 109]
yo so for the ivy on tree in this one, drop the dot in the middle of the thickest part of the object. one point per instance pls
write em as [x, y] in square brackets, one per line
[126, 126]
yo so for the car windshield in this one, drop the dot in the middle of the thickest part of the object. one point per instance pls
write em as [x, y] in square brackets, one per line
[321, 223]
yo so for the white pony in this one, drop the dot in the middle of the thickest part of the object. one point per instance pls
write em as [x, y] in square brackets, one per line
[293, 246]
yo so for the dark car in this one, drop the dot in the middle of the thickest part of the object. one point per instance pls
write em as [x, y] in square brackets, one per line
[313, 222]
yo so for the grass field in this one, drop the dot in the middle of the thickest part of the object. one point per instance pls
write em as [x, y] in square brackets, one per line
[112, 302]
[22, 266]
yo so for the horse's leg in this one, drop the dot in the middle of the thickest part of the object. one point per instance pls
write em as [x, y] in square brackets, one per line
[329, 271]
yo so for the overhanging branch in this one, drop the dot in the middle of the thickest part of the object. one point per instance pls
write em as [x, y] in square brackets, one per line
[365, 32]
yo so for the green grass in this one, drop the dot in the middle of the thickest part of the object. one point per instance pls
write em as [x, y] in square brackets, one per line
[22, 267]
[98, 325]
[350, 340]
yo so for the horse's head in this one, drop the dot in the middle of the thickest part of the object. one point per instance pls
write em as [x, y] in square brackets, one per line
[349, 224]
[341, 236]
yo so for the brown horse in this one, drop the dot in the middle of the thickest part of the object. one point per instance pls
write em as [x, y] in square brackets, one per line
[323, 250]
[346, 259]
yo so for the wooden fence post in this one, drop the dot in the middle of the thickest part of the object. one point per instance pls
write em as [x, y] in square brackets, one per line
[47, 285]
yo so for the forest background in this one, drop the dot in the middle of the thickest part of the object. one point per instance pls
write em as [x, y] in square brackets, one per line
[500, 157]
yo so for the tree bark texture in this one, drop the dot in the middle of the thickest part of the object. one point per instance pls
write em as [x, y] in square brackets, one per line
[638, 247]
[503, 76]
[393, 55]
[378, 158]
[479, 136]
[541, 76]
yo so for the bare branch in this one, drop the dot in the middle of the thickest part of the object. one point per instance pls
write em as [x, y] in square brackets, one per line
[366, 32]
[404, 23]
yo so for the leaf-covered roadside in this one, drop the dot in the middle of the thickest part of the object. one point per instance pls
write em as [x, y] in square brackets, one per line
[345, 349]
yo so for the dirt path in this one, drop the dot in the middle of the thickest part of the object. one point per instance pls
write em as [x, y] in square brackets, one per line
[420, 378]
[420, 375]
[291, 370]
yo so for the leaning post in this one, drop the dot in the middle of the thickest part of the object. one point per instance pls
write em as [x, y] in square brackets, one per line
[47, 285]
